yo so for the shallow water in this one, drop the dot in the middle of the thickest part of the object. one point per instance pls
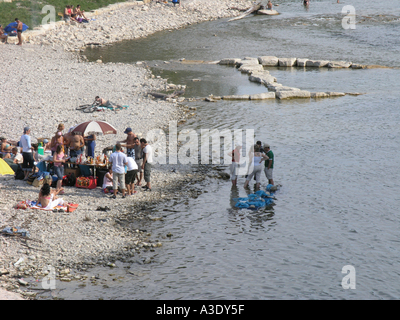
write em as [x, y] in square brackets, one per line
[337, 159]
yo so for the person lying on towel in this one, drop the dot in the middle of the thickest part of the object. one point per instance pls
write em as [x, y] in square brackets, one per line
[104, 103]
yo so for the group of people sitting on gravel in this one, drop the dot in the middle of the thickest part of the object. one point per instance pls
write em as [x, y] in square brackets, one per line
[74, 14]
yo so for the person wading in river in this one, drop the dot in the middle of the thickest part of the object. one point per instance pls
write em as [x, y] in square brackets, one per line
[269, 164]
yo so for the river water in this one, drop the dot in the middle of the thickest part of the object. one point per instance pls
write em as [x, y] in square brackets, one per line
[337, 160]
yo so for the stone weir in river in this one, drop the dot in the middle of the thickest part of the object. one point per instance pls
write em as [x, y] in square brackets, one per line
[254, 67]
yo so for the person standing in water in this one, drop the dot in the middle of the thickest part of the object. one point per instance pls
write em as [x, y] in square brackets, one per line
[269, 164]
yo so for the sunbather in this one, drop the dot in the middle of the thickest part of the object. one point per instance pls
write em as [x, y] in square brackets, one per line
[67, 14]
[5, 148]
[48, 198]
[80, 13]
[3, 35]
[105, 103]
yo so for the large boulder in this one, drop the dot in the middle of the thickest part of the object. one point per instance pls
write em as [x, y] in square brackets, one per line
[229, 61]
[301, 62]
[250, 58]
[279, 87]
[293, 94]
[263, 78]
[247, 62]
[317, 63]
[262, 96]
[268, 61]
[287, 62]
[250, 68]
[339, 64]
[237, 97]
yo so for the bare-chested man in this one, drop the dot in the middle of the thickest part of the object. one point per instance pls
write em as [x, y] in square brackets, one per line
[75, 145]
[105, 103]
[129, 143]
[19, 31]
[67, 140]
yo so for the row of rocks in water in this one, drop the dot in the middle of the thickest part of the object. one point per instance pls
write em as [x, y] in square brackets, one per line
[254, 67]
[272, 61]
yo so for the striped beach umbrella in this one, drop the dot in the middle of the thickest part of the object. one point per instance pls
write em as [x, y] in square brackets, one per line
[101, 127]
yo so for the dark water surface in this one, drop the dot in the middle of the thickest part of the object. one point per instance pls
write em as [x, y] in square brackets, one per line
[337, 159]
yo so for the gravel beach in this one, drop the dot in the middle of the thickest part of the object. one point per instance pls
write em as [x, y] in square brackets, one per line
[42, 83]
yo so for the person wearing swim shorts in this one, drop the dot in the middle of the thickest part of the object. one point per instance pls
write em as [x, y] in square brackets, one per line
[129, 143]
[19, 31]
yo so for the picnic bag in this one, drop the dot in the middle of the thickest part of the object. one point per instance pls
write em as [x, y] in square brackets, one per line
[86, 182]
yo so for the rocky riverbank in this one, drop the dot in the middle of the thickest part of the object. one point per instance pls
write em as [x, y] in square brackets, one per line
[41, 87]
[131, 20]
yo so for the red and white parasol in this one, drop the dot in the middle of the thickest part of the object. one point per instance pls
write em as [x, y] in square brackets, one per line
[94, 126]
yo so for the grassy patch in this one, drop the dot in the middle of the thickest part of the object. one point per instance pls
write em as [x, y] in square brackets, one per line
[30, 12]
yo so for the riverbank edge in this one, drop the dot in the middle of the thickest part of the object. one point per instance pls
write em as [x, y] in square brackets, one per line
[40, 34]
[41, 31]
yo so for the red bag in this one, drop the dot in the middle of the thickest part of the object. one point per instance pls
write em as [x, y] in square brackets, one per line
[86, 182]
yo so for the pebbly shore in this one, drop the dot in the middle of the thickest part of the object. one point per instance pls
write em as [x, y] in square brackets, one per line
[42, 83]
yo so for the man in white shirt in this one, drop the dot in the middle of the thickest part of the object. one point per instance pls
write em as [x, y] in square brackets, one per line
[25, 143]
[147, 162]
[131, 176]
[119, 160]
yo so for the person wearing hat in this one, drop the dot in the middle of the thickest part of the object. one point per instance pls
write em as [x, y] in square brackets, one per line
[25, 143]
[269, 164]
[129, 142]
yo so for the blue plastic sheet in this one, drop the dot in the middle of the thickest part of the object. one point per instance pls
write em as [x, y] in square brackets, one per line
[254, 201]
[12, 26]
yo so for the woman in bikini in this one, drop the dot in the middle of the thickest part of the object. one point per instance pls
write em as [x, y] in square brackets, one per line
[5, 149]
[67, 15]
[48, 198]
